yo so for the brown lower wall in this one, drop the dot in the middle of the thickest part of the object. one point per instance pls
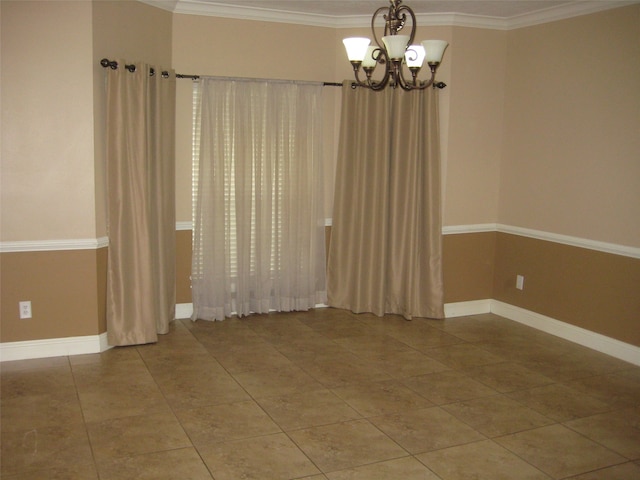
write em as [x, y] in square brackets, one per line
[468, 260]
[183, 266]
[67, 290]
[590, 289]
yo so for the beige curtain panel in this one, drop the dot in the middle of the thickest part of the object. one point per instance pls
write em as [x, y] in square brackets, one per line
[141, 204]
[385, 254]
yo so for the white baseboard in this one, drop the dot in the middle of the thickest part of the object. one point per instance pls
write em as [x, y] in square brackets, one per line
[184, 310]
[461, 309]
[53, 347]
[587, 338]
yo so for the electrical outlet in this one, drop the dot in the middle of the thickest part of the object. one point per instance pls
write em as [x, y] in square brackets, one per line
[25, 309]
[520, 282]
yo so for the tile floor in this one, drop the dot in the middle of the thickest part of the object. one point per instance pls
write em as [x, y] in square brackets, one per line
[326, 395]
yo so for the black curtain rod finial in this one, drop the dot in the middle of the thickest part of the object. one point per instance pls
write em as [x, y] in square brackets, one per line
[112, 64]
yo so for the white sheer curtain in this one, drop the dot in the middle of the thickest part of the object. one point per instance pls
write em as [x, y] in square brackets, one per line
[258, 241]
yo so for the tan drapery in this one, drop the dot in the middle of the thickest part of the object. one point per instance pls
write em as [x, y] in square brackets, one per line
[385, 254]
[141, 204]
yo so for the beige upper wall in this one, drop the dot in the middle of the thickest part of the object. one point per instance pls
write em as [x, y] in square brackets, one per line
[53, 108]
[569, 165]
[47, 189]
[472, 154]
[571, 157]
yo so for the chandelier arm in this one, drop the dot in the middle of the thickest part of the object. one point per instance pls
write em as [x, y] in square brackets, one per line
[388, 65]
[403, 8]
[407, 86]
[373, 21]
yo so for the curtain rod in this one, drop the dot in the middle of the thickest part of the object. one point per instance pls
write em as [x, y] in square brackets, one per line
[112, 64]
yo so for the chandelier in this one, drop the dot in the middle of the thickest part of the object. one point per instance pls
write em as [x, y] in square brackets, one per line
[394, 52]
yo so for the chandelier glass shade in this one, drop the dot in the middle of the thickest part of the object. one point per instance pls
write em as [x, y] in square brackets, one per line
[393, 51]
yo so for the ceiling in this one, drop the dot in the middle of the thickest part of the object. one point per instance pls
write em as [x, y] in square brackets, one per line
[501, 14]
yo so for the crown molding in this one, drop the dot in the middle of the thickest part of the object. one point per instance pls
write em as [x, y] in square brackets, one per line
[552, 14]
[562, 12]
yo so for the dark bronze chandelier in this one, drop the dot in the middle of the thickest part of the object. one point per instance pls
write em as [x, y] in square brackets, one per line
[394, 51]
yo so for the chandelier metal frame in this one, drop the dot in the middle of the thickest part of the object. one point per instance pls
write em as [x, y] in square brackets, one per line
[395, 19]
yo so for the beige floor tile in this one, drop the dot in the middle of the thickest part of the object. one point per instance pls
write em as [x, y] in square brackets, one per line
[406, 468]
[276, 382]
[248, 359]
[35, 381]
[372, 344]
[618, 431]
[574, 362]
[198, 388]
[229, 421]
[423, 337]
[618, 389]
[560, 402]
[308, 409]
[336, 328]
[559, 451]
[462, 355]
[626, 471]
[33, 364]
[484, 460]
[113, 355]
[507, 376]
[84, 471]
[307, 350]
[405, 364]
[253, 378]
[346, 445]
[381, 398]
[182, 463]
[447, 387]
[334, 371]
[58, 407]
[61, 447]
[115, 399]
[185, 361]
[274, 457]
[130, 436]
[425, 430]
[95, 375]
[496, 415]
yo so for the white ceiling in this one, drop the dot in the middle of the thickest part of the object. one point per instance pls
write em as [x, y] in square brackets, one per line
[501, 14]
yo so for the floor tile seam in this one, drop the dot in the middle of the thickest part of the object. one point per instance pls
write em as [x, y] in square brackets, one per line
[599, 469]
[254, 401]
[502, 447]
[490, 437]
[583, 435]
[610, 408]
[113, 460]
[366, 416]
[571, 430]
[517, 455]
[167, 403]
[407, 453]
[367, 464]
